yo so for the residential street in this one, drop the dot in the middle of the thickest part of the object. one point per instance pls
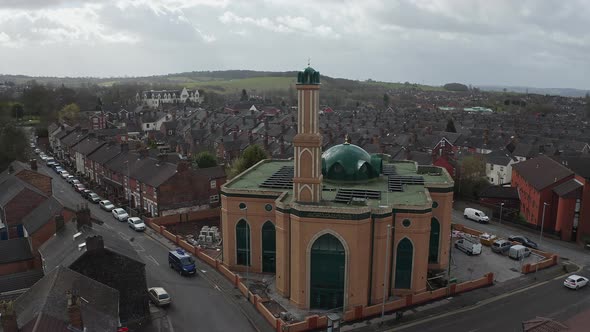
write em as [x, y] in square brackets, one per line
[549, 300]
[200, 303]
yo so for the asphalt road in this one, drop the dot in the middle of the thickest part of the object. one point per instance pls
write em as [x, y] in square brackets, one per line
[199, 303]
[549, 299]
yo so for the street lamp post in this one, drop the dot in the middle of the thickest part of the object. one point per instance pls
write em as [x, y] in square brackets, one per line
[501, 206]
[385, 271]
[542, 223]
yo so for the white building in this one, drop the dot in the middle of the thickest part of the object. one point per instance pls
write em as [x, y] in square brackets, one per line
[154, 99]
[499, 167]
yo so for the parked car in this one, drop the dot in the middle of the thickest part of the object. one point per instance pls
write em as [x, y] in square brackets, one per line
[501, 246]
[106, 205]
[575, 281]
[64, 174]
[181, 262]
[86, 193]
[120, 214]
[519, 252]
[93, 197]
[159, 296]
[475, 215]
[57, 168]
[50, 163]
[136, 224]
[37, 151]
[525, 241]
[70, 178]
[75, 182]
[470, 245]
[43, 157]
[79, 187]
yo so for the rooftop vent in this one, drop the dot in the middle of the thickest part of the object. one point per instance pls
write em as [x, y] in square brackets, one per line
[81, 246]
[76, 235]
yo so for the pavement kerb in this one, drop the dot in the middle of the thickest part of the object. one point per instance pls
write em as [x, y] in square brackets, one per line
[481, 303]
[164, 242]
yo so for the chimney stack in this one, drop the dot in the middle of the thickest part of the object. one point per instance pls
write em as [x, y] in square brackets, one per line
[8, 316]
[83, 217]
[59, 223]
[94, 243]
[74, 311]
[33, 164]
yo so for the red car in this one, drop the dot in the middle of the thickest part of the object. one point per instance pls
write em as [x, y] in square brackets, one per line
[79, 187]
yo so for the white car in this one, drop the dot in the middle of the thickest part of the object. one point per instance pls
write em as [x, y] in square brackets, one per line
[106, 205]
[575, 281]
[120, 214]
[136, 224]
[159, 296]
[64, 174]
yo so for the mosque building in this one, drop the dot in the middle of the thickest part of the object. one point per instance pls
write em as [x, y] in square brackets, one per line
[340, 228]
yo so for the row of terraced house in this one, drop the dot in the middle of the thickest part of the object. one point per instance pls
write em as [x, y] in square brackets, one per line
[157, 184]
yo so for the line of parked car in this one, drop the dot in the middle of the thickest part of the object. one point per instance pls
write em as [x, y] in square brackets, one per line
[119, 214]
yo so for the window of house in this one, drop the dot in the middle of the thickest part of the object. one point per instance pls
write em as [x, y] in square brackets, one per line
[213, 199]
[147, 125]
[491, 167]
[213, 184]
[501, 169]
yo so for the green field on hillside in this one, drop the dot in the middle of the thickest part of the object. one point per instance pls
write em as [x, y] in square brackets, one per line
[251, 84]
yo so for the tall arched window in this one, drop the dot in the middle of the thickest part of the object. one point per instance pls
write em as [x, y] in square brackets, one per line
[403, 264]
[243, 243]
[434, 244]
[268, 247]
[327, 273]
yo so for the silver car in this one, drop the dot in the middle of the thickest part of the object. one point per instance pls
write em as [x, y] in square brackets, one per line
[136, 224]
[159, 296]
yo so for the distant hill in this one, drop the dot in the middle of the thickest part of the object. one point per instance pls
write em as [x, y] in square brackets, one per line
[566, 92]
[226, 81]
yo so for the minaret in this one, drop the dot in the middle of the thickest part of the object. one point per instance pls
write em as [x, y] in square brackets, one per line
[307, 179]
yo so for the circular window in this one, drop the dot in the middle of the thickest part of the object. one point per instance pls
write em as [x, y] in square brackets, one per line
[268, 207]
[434, 205]
[242, 206]
[406, 222]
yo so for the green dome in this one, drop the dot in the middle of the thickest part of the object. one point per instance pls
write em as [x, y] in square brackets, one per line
[348, 162]
[308, 76]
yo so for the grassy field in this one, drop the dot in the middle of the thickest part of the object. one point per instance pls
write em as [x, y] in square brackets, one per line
[255, 83]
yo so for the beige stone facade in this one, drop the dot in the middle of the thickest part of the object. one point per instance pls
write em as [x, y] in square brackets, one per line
[327, 251]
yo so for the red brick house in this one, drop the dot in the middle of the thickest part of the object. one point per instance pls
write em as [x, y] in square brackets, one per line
[541, 181]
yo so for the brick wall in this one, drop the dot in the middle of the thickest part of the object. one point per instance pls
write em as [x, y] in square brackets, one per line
[16, 267]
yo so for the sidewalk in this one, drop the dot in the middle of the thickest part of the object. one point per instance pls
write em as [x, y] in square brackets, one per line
[453, 303]
[217, 280]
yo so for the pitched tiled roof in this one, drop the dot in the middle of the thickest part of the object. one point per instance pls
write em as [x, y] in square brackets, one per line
[542, 171]
[15, 250]
[105, 153]
[88, 145]
[19, 281]
[569, 189]
[41, 215]
[45, 304]
[11, 186]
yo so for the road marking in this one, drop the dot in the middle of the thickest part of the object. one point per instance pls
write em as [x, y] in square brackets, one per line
[108, 226]
[170, 327]
[124, 236]
[137, 246]
[217, 287]
[153, 259]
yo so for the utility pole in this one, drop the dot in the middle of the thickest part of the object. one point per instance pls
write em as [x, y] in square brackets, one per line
[501, 206]
[542, 223]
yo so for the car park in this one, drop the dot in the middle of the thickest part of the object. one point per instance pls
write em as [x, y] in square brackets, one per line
[106, 205]
[79, 187]
[475, 215]
[159, 296]
[136, 224]
[575, 281]
[468, 244]
[518, 252]
[525, 241]
[182, 262]
[501, 246]
[93, 197]
[120, 214]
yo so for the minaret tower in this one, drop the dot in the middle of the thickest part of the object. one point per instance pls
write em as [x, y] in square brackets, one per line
[307, 179]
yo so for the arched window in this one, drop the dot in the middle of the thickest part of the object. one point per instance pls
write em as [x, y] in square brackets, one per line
[268, 247]
[327, 273]
[243, 243]
[403, 264]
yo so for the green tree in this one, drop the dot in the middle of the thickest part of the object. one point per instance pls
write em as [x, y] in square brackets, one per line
[13, 145]
[451, 126]
[244, 95]
[252, 155]
[70, 112]
[385, 100]
[204, 160]
[18, 111]
[473, 167]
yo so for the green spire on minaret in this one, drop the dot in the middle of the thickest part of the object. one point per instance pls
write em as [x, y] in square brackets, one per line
[308, 76]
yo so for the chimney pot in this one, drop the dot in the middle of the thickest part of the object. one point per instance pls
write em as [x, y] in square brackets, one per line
[74, 311]
[94, 243]
[34, 164]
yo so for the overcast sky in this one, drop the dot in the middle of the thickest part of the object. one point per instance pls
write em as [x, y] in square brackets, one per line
[542, 43]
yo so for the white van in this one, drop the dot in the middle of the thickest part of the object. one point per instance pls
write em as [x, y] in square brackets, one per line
[470, 245]
[475, 215]
[519, 252]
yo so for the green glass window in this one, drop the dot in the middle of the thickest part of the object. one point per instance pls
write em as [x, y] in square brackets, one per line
[434, 243]
[268, 247]
[268, 207]
[327, 273]
[434, 205]
[243, 243]
[406, 222]
[403, 264]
